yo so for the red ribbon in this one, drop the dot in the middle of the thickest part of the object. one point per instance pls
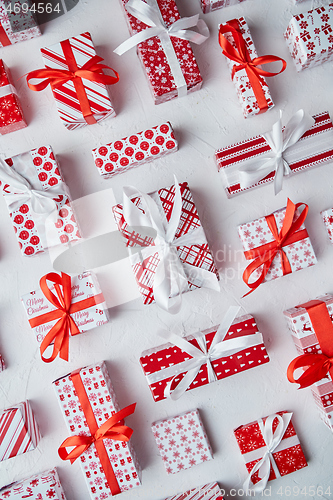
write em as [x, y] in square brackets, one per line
[113, 428]
[4, 40]
[241, 55]
[92, 70]
[265, 254]
[59, 333]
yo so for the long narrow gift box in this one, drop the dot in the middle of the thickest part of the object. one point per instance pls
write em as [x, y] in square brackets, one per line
[210, 5]
[210, 491]
[88, 401]
[43, 486]
[11, 20]
[11, 114]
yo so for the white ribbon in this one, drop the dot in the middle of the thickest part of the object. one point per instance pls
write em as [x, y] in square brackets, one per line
[7, 90]
[149, 13]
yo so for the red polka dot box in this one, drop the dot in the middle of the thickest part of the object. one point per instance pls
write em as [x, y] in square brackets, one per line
[11, 114]
[38, 201]
[43, 486]
[210, 491]
[134, 150]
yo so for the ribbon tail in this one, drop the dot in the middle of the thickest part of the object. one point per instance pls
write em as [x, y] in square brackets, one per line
[184, 384]
[264, 465]
[279, 174]
[134, 40]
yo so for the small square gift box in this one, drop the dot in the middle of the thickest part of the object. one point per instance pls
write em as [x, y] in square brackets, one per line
[75, 73]
[178, 258]
[120, 156]
[209, 5]
[38, 201]
[305, 142]
[17, 24]
[11, 114]
[98, 434]
[311, 327]
[64, 306]
[210, 491]
[182, 441]
[238, 47]
[277, 244]
[270, 448]
[309, 37]
[185, 363]
[19, 431]
[327, 216]
[43, 486]
[162, 38]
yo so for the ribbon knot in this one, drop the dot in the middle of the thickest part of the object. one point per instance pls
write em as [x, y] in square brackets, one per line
[318, 367]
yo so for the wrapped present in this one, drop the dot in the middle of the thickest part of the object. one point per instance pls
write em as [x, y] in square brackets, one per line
[43, 486]
[309, 37]
[75, 73]
[21, 15]
[38, 201]
[277, 244]
[311, 328]
[182, 441]
[185, 363]
[209, 5]
[304, 143]
[17, 25]
[178, 258]
[11, 114]
[67, 307]
[270, 448]
[162, 39]
[238, 47]
[2, 364]
[210, 491]
[19, 431]
[327, 216]
[134, 150]
[98, 433]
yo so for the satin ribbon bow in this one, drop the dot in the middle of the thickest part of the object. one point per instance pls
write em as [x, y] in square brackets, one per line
[265, 254]
[241, 56]
[318, 365]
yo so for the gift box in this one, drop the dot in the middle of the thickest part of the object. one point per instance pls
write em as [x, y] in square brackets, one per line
[2, 364]
[191, 261]
[88, 401]
[182, 441]
[21, 14]
[38, 201]
[254, 162]
[43, 486]
[11, 114]
[209, 5]
[277, 244]
[275, 433]
[327, 216]
[210, 491]
[84, 301]
[17, 25]
[310, 325]
[19, 431]
[309, 37]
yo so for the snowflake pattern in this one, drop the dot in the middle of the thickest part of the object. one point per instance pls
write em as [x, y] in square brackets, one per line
[327, 216]
[43, 486]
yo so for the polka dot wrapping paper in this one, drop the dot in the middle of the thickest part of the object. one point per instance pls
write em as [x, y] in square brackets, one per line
[43, 486]
[209, 5]
[209, 491]
[11, 114]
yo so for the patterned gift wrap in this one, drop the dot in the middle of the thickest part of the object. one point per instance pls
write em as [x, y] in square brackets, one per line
[43, 486]
[2, 364]
[309, 37]
[36, 232]
[327, 216]
[167, 355]
[11, 114]
[182, 441]
[21, 15]
[98, 389]
[210, 491]
[8, 33]
[209, 5]
[314, 148]
[122, 155]
[19, 431]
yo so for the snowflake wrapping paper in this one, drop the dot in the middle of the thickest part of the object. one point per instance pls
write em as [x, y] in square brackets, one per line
[37, 231]
[120, 156]
[11, 114]
[19, 432]
[209, 5]
[313, 149]
[309, 37]
[21, 15]
[210, 491]
[43, 486]
[8, 35]
[98, 390]
[327, 216]
[182, 441]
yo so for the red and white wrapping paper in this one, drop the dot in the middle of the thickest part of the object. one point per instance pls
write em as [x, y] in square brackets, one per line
[11, 114]
[210, 491]
[182, 441]
[100, 392]
[43, 486]
[327, 216]
[7, 35]
[40, 228]
[209, 5]
[19, 431]
[120, 156]
[314, 148]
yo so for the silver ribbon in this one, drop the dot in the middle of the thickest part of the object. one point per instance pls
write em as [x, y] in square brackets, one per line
[7, 90]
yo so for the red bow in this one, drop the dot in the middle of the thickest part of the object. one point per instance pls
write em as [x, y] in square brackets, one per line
[318, 367]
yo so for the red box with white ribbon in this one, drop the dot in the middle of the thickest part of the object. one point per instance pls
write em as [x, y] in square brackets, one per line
[43, 486]
[210, 491]
[30, 28]
[210, 5]
[327, 216]
[11, 114]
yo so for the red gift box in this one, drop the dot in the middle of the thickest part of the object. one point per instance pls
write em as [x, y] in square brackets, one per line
[210, 491]
[11, 114]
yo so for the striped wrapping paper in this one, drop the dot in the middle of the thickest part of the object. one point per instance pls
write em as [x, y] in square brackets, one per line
[19, 431]
[210, 491]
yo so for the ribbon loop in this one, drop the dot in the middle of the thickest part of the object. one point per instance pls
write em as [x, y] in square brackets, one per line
[319, 365]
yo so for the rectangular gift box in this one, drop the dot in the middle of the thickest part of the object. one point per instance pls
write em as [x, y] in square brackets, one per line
[209, 5]
[244, 89]
[17, 25]
[155, 361]
[309, 37]
[119, 156]
[182, 441]
[314, 148]
[197, 256]
[36, 232]
[210, 491]
[43, 486]
[11, 114]
[98, 388]
[327, 216]
[154, 60]
[19, 430]
[66, 96]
